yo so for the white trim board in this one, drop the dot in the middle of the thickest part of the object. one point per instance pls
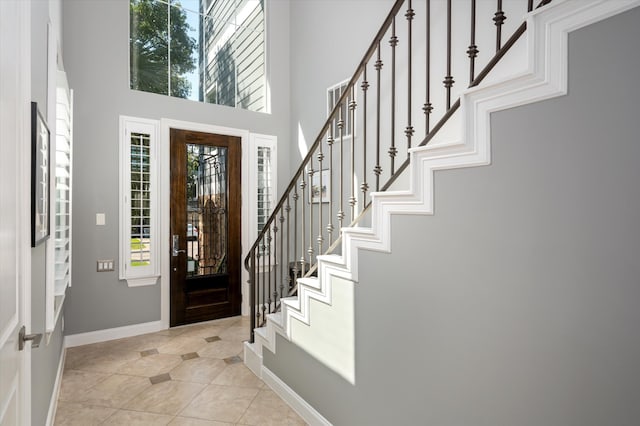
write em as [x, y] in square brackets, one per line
[112, 334]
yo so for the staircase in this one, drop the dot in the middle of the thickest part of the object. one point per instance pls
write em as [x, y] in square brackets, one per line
[381, 144]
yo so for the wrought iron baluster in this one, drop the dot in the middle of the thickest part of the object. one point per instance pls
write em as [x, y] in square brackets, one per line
[352, 110]
[393, 42]
[268, 261]
[529, 5]
[288, 210]
[258, 299]
[473, 48]
[275, 263]
[283, 260]
[499, 19]
[377, 170]
[252, 294]
[330, 142]
[303, 185]
[310, 248]
[341, 129]
[448, 80]
[408, 131]
[364, 186]
[295, 231]
[320, 194]
[427, 108]
[265, 292]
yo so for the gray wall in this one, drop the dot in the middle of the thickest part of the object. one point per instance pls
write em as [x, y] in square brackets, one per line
[46, 358]
[328, 40]
[96, 59]
[519, 303]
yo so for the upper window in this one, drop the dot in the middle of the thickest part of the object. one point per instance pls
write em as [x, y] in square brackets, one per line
[204, 50]
[333, 96]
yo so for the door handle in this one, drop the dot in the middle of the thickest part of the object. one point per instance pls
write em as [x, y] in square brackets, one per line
[175, 244]
[23, 337]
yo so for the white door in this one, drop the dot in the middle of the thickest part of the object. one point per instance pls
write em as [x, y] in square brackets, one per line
[14, 209]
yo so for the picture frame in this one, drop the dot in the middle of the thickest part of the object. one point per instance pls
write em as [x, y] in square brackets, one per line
[320, 195]
[40, 177]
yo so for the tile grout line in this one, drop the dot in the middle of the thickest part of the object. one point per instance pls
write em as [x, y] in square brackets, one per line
[219, 329]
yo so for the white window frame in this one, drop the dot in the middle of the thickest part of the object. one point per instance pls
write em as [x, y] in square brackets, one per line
[331, 90]
[257, 141]
[242, 10]
[57, 282]
[143, 275]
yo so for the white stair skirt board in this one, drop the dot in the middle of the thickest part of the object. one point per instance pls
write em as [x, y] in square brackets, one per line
[332, 338]
[533, 70]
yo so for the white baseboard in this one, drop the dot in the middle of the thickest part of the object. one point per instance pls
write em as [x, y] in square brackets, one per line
[295, 401]
[53, 403]
[252, 359]
[112, 333]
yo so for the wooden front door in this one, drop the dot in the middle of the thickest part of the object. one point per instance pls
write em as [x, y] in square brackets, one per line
[205, 226]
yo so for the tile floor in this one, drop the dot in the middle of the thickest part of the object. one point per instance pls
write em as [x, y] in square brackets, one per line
[188, 376]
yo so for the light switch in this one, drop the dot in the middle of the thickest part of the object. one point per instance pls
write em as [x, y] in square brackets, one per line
[100, 219]
[104, 265]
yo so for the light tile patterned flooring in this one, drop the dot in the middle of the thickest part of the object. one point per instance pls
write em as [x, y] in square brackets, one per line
[189, 376]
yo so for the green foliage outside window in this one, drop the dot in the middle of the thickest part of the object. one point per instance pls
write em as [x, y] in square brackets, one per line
[159, 41]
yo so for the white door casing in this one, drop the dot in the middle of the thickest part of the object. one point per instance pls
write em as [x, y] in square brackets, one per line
[15, 254]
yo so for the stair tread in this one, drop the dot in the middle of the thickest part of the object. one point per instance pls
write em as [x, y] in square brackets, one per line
[293, 302]
[276, 318]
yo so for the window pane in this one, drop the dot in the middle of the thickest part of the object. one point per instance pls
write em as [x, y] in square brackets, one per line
[215, 50]
[207, 219]
[264, 187]
[148, 40]
[140, 192]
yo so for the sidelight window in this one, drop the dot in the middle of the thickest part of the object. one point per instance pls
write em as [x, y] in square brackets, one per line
[263, 177]
[139, 236]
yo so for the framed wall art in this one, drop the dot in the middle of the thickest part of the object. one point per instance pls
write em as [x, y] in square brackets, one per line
[320, 193]
[40, 177]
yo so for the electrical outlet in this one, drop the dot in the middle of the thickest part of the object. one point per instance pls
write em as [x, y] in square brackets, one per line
[105, 265]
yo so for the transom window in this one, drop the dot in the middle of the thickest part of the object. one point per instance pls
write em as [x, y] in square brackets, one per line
[205, 50]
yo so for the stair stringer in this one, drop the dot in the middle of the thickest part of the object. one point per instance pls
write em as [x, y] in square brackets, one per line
[544, 77]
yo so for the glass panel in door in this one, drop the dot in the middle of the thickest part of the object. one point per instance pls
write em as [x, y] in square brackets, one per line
[207, 210]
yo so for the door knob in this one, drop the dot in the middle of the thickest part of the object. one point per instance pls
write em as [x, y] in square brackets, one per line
[175, 244]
